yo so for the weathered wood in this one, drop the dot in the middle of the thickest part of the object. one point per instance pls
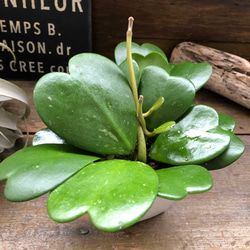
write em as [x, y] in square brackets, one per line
[218, 219]
[231, 73]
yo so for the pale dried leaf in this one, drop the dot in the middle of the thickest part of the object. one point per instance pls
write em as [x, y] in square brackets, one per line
[9, 132]
[10, 90]
[9, 137]
[8, 120]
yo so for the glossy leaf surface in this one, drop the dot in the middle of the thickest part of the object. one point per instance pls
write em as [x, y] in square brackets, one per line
[33, 171]
[152, 59]
[197, 73]
[124, 67]
[144, 49]
[194, 139]
[226, 122]
[178, 94]
[46, 136]
[115, 194]
[177, 182]
[92, 108]
[231, 154]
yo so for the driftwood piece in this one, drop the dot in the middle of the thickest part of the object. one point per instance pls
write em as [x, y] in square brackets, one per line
[231, 73]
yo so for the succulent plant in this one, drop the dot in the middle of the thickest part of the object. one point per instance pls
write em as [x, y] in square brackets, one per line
[107, 122]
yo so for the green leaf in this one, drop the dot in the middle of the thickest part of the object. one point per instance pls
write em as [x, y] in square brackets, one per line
[164, 127]
[195, 138]
[115, 193]
[178, 94]
[144, 49]
[197, 73]
[176, 182]
[152, 59]
[33, 171]
[226, 122]
[92, 108]
[124, 67]
[157, 104]
[231, 154]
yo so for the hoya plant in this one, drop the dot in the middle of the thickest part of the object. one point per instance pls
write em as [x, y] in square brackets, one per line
[107, 122]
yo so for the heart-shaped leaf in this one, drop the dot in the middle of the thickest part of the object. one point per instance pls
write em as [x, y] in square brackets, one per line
[232, 153]
[93, 108]
[115, 193]
[140, 62]
[33, 171]
[178, 93]
[151, 59]
[144, 49]
[195, 138]
[176, 182]
[197, 73]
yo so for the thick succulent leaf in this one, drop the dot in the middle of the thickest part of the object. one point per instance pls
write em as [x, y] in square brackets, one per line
[151, 59]
[35, 170]
[226, 122]
[124, 67]
[178, 93]
[176, 182]
[92, 108]
[46, 136]
[144, 49]
[115, 193]
[197, 73]
[232, 153]
[195, 138]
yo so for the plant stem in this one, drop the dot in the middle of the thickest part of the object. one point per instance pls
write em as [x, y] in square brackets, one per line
[141, 145]
[130, 62]
[141, 142]
[141, 118]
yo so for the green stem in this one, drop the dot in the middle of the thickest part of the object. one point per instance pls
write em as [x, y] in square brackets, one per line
[141, 147]
[141, 118]
[141, 142]
[130, 62]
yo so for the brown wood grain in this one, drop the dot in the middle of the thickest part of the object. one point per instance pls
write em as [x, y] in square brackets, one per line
[221, 24]
[218, 219]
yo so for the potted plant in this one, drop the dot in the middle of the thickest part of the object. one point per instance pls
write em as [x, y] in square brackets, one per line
[9, 132]
[124, 134]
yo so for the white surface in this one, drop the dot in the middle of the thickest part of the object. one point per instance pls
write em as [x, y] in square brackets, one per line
[160, 205]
